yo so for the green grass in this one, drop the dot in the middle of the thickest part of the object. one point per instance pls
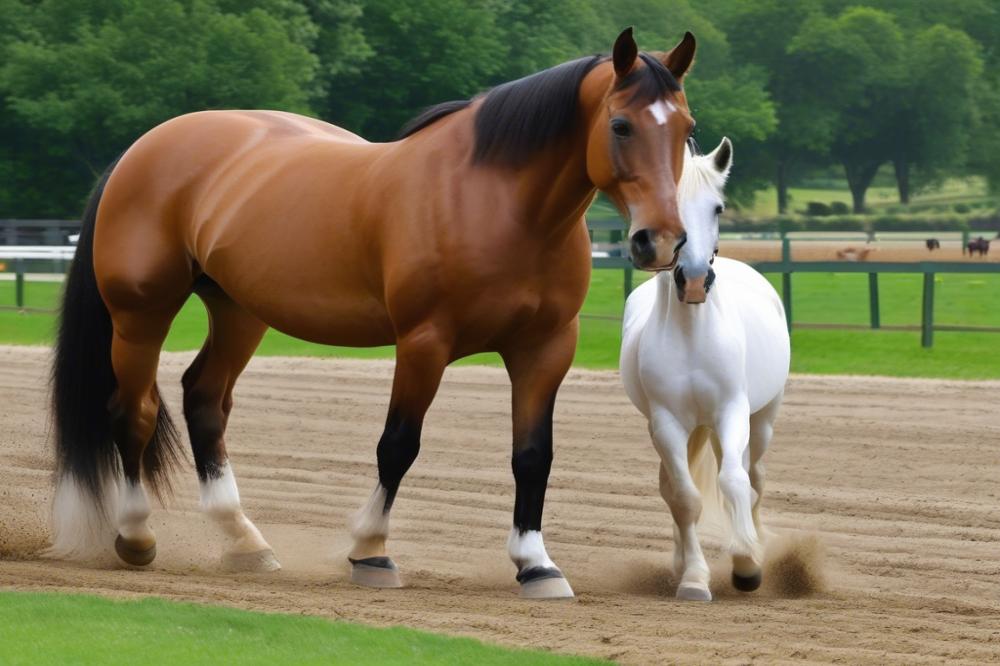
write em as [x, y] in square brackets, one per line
[972, 300]
[953, 190]
[60, 629]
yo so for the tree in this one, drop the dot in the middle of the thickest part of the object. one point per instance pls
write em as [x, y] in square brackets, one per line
[87, 79]
[424, 52]
[856, 59]
[760, 34]
[930, 133]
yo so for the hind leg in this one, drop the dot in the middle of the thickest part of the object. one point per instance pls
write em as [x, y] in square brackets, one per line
[761, 431]
[135, 412]
[208, 387]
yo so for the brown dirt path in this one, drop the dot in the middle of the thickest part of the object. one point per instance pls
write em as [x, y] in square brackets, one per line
[895, 479]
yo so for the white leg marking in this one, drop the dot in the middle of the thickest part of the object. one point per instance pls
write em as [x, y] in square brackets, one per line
[372, 520]
[133, 510]
[81, 528]
[527, 550]
[220, 499]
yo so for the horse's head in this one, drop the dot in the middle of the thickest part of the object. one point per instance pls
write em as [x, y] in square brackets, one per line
[700, 198]
[635, 150]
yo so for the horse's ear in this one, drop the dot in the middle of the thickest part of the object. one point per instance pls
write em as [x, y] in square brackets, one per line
[679, 59]
[722, 156]
[624, 53]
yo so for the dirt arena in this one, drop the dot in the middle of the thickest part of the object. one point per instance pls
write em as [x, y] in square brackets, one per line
[883, 496]
[882, 250]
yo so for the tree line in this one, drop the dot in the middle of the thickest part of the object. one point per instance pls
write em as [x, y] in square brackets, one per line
[799, 86]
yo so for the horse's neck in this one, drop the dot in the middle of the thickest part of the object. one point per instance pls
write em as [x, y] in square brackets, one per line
[554, 190]
[683, 316]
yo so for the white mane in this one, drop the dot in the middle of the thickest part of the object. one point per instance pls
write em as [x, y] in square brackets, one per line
[699, 173]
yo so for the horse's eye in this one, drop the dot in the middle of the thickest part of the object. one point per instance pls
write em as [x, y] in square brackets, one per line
[621, 128]
[718, 210]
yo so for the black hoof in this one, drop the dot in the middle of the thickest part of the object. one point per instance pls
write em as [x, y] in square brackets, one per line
[543, 583]
[136, 554]
[374, 562]
[375, 572]
[537, 573]
[747, 583]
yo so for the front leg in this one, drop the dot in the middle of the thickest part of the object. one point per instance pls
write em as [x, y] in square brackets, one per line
[536, 367]
[421, 357]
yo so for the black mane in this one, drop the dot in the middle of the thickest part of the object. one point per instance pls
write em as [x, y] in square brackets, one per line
[519, 118]
[431, 115]
[651, 82]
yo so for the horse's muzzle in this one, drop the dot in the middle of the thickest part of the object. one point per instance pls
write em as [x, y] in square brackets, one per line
[695, 290]
[645, 249]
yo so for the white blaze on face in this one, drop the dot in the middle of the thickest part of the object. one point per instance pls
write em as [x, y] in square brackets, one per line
[661, 109]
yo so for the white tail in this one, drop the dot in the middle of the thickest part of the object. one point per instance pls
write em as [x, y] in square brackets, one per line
[705, 474]
[81, 529]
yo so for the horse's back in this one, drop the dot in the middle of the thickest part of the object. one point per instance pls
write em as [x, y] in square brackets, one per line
[263, 203]
[768, 349]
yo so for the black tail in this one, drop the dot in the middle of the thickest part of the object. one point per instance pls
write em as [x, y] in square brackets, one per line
[83, 380]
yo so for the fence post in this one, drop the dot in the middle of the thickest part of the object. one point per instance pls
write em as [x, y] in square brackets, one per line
[628, 279]
[873, 299]
[965, 239]
[786, 296]
[927, 318]
[786, 279]
[19, 282]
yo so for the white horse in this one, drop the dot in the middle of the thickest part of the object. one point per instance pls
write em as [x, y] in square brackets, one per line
[710, 372]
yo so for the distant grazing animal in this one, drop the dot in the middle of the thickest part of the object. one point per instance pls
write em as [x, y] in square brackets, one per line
[933, 244]
[854, 254]
[980, 245]
[467, 235]
[708, 377]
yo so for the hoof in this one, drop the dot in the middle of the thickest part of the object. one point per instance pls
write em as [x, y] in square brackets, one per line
[544, 583]
[693, 592]
[136, 553]
[262, 561]
[375, 572]
[747, 583]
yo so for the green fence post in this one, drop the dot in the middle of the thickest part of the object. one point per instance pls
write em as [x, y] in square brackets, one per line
[927, 318]
[873, 299]
[786, 296]
[786, 249]
[965, 239]
[628, 280]
[19, 282]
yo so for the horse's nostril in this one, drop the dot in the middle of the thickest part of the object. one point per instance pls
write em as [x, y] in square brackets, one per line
[643, 247]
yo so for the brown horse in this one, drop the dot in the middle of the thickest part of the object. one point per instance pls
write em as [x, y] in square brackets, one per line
[465, 236]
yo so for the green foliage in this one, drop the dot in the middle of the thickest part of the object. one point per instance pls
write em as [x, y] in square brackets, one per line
[425, 52]
[84, 80]
[798, 86]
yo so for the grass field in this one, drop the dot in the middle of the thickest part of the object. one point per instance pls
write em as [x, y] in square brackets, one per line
[818, 298]
[952, 191]
[77, 629]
